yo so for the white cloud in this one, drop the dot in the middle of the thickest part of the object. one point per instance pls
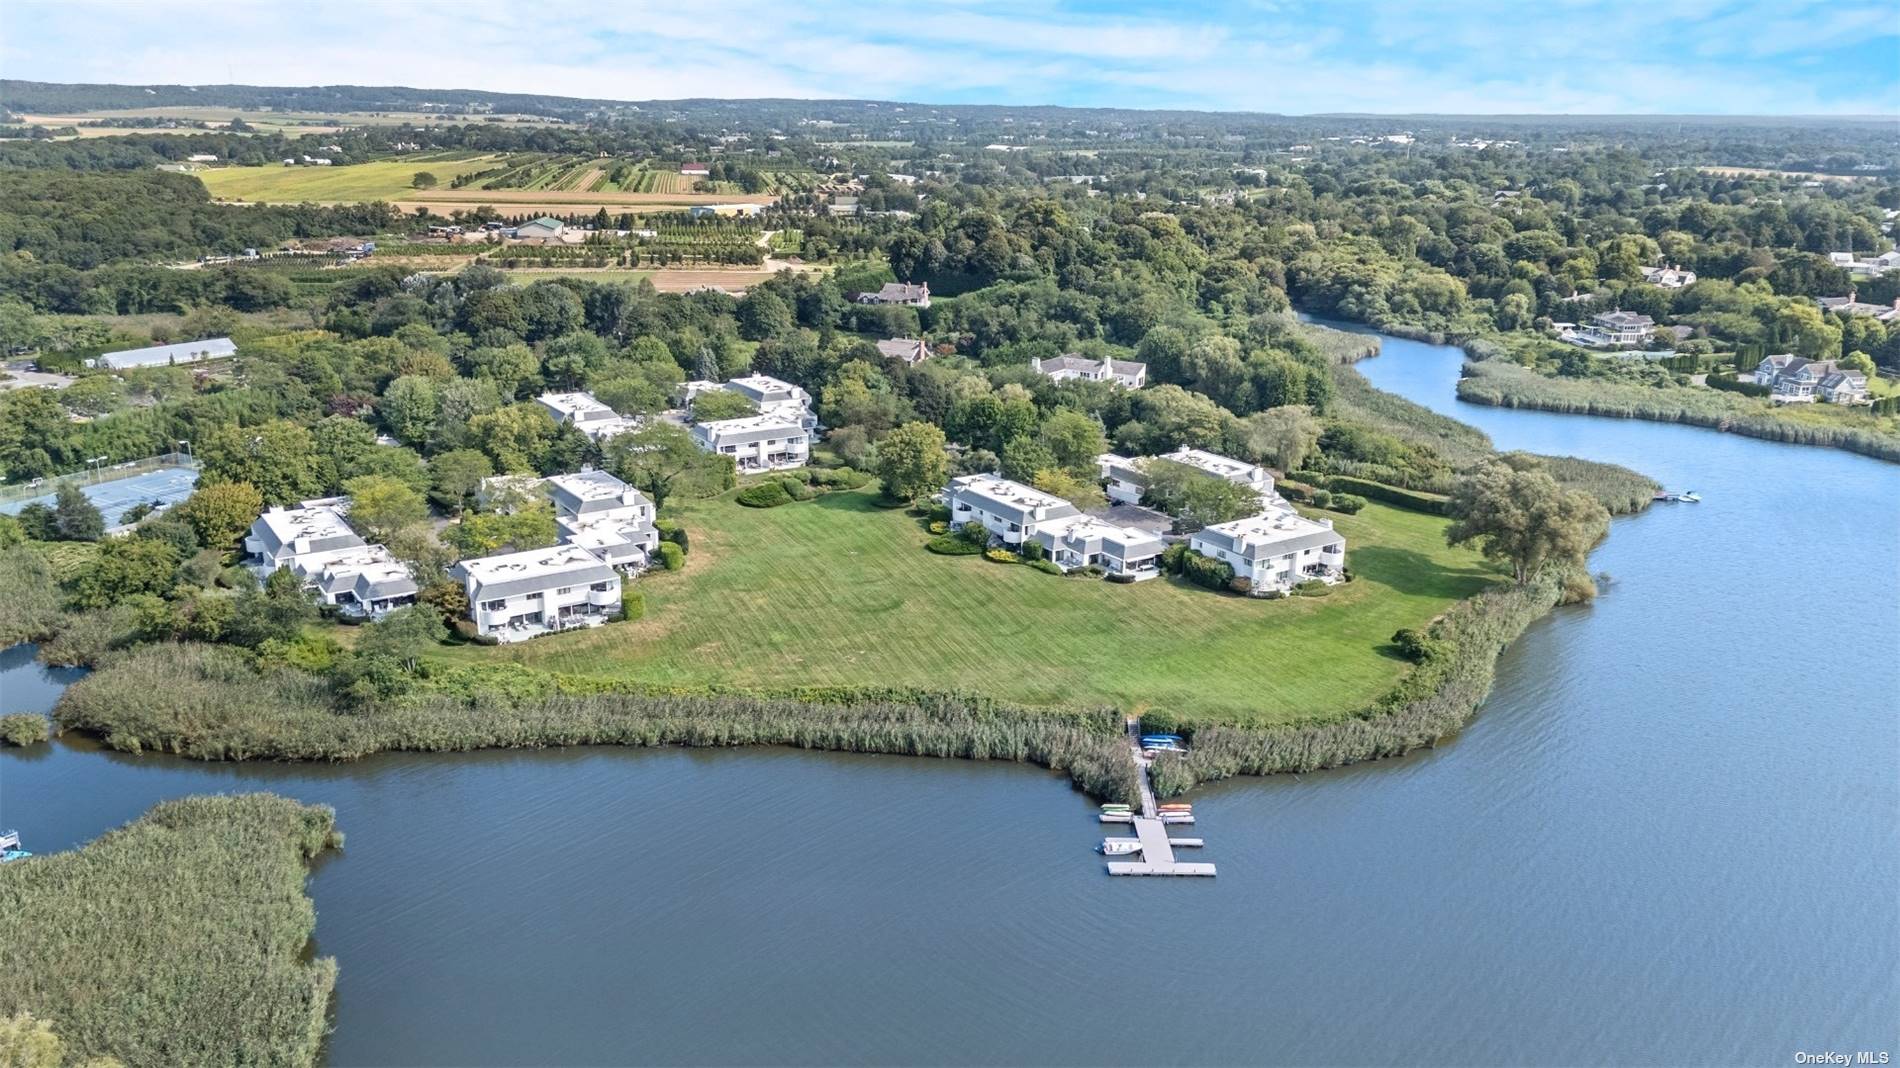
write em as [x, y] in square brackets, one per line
[1735, 56]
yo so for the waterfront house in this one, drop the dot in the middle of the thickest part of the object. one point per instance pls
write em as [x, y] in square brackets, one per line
[1085, 541]
[899, 293]
[597, 511]
[1623, 328]
[1129, 374]
[1276, 550]
[1125, 480]
[366, 582]
[1796, 380]
[516, 596]
[1010, 511]
[586, 413]
[910, 350]
[184, 352]
[756, 443]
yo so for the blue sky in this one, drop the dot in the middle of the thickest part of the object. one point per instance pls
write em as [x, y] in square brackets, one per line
[1293, 56]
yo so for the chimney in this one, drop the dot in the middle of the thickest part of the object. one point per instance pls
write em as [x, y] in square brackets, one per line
[1035, 364]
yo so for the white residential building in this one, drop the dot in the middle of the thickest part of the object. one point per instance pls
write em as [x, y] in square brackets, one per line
[1084, 541]
[756, 443]
[517, 596]
[317, 546]
[1276, 550]
[1851, 304]
[1129, 374]
[1010, 511]
[776, 398]
[597, 511]
[586, 413]
[281, 535]
[211, 348]
[1668, 277]
[1126, 479]
[1796, 380]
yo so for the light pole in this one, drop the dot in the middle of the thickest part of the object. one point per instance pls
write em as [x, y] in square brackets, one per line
[187, 447]
[94, 465]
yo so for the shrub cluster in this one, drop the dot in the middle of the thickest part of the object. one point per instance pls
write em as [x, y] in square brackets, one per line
[1002, 556]
[768, 494]
[949, 545]
[672, 557]
[23, 729]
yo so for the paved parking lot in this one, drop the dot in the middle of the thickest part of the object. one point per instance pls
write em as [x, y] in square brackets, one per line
[1134, 515]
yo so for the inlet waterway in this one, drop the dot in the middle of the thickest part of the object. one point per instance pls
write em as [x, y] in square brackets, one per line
[1671, 836]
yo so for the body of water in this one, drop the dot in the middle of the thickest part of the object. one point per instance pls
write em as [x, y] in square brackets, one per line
[1672, 836]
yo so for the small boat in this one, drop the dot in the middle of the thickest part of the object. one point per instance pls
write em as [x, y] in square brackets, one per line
[1689, 495]
[1118, 846]
[1177, 817]
[1175, 738]
[1117, 817]
[1181, 806]
[10, 847]
[1116, 808]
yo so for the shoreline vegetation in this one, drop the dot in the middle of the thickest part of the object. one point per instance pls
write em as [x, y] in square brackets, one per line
[180, 938]
[1507, 385]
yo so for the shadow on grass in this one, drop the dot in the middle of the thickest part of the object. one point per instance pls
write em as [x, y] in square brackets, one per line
[1415, 574]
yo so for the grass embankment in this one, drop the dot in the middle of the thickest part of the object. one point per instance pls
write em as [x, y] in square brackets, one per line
[838, 592]
[1432, 703]
[1508, 385]
[209, 703]
[178, 939]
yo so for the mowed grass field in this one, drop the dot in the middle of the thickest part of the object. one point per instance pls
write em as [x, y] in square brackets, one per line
[378, 180]
[839, 591]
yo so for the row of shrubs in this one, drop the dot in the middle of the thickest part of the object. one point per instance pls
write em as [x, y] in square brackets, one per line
[208, 702]
[800, 485]
[1350, 489]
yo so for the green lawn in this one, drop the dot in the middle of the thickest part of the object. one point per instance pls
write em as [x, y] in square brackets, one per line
[839, 591]
[376, 180]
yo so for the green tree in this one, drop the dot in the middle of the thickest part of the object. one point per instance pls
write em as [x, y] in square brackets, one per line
[279, 458]
[423, 180]
[1195, 498]
[1281, 437]
[716, 404]
[661, 459]
[403, 636]
[409, 408]
[380, 505]
[1517, 512]
[125, 566]
[1075, 439]
[454, 477]
[763, 314]
[220, 513]
[1024, 456]
[1084, 493]
[911, 461]
[74, 517]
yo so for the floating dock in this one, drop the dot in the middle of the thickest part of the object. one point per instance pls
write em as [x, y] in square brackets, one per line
[1151, 828]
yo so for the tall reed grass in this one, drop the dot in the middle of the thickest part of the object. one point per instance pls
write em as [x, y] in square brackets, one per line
[179, 939]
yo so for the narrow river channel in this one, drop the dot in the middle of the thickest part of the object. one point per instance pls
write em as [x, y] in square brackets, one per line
[1671, 836]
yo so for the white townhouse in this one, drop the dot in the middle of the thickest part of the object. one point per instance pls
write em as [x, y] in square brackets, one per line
[517, 596]
[1128, 374]
[756, 443]
[328, 558]
[367, 583]
[585, 412]
[1010, 511]
[596, 511]
[909, 350]
[281, 535]
[1275, 550]
[1668, 277]
[1083, 540]
[1622, 328]
[776, 398]
[1126, 479]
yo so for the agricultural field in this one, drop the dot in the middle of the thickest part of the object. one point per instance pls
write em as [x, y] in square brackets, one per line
[840, 591]
[387, 179]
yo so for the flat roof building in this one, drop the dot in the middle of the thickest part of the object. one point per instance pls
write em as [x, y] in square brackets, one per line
[184, 352]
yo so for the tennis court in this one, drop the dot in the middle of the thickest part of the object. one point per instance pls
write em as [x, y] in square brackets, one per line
[113, 496]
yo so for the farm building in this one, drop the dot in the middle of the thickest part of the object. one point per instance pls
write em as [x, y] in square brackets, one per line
[213, 348]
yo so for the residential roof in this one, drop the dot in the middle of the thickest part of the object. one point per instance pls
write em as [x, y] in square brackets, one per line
[908, 349]
[1219, 466]
[1012, 500]
[1073, 361]
[1086, 533]
[593, 491]
[750, 428]
[1628, 320]
[210, 348]
[897, 292]
[369, 574]
[512, 574]
[764, 389]
[1273, 534]
[578, 406]
[303, 530]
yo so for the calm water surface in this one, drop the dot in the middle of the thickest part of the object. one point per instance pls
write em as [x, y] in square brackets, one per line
[1671, 837]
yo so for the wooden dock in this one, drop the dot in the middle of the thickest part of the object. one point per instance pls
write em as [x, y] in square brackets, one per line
[1151, 827]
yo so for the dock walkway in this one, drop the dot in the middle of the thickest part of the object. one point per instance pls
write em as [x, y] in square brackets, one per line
[1157, 850]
